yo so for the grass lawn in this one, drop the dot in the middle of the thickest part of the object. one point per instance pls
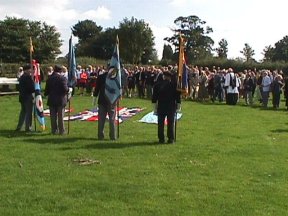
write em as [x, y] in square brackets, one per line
[228, 160]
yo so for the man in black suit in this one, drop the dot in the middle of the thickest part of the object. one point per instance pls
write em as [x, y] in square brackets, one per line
[166, 100]
[56, 90]
[26, 90]
[105, 108]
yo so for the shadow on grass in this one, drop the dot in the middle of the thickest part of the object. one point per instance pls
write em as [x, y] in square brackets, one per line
[13, 133]
[76, 143]
[280, 131]
[119, 145]
[43, 139]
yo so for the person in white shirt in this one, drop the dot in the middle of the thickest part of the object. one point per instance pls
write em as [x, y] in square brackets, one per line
[231, 84]
[266, 82]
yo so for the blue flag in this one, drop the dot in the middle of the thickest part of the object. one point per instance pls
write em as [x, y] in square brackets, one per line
[113, 79]
[71, 65]
[185, 79]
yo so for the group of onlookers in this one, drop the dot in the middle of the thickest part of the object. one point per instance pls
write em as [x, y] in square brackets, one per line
[221, 84]
[204, 84]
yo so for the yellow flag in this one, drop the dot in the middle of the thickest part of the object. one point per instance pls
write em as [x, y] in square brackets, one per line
[180, 62]
[31, 46]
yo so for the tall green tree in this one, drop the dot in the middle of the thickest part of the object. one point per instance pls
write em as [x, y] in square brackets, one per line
[136, 41]
[85, 30]
[268, 53]
[103, 46]
[198, 43]
[277, 53]
[248, 52]
[88, 32]
[167, 53]
[15, 42]
[222, 50]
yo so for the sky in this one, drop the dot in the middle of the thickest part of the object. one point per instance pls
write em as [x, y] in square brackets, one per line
[259, 23]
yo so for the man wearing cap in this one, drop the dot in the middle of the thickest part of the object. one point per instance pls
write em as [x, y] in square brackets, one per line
[26, 90]
[166, 100]
[56, 90]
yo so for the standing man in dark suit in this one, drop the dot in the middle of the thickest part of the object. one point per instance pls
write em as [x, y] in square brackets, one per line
[105, 108]
[56, 90]
[26, 90]
[166, 100]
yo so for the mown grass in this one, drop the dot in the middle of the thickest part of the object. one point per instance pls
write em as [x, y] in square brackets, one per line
[228, 160]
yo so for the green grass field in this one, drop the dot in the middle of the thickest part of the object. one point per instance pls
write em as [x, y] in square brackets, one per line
[228, 160]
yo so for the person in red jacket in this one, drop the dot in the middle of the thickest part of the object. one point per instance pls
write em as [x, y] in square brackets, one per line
[83, 81]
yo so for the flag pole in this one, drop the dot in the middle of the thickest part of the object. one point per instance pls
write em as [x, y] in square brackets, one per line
[179, 76]
[31, 49]
[69, 104]
[118, 116]
[175, 124]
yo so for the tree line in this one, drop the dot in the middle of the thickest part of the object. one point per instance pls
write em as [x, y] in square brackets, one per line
[136, 42]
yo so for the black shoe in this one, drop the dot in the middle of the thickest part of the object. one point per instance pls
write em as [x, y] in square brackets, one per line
[170, 141]
[161, 141]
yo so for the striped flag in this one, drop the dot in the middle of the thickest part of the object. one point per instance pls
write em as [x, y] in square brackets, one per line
[113, 79]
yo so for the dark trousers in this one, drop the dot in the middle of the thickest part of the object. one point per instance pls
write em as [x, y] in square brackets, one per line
[102, 112]
[170, 126]
[265, 97]
[276, 100]
[231, 98]
[25, 115]
[218, 93]
[57, 119]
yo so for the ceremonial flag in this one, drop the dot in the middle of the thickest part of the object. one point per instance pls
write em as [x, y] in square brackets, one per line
[71, 65]
[31, 46]
[38, 98]
[31, 50]
[182, 73]
[113, 79]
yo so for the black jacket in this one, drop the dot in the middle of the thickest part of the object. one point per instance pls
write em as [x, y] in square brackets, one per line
[166, 94]
[26, 88]
[100, 89]
[56, 90]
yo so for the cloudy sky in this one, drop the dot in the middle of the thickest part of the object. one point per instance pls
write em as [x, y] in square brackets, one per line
[257, 22]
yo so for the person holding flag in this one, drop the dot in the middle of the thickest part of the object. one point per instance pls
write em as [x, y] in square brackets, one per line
[108, 91]
[166, 99]
[166, 96]
[26, 90]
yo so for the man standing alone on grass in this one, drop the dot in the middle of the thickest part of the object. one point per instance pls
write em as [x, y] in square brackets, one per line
[56, 90]
[26, 89]
[166, 100]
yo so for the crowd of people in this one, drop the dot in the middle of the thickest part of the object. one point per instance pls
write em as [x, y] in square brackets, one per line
[204, 84]
[155, 83]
